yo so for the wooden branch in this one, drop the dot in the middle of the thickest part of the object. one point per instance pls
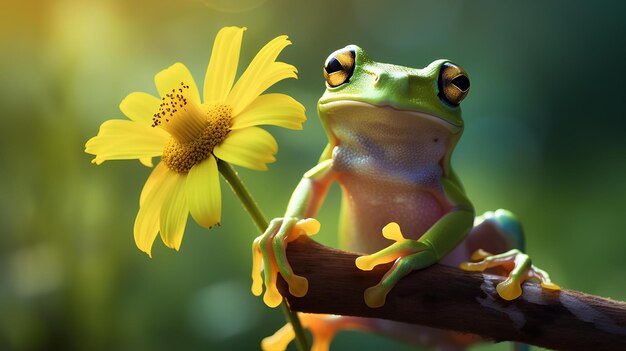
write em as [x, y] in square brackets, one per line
[448, 298]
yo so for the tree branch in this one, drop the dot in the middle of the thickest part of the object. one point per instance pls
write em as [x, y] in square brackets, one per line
[448, 298]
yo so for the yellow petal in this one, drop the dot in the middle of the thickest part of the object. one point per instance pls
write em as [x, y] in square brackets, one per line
[146, 161]
[174, 213]
[155, 177]
[250, 147]
[126, 140]
[271, 109]
[140, 107]
[203, 193]
[220, 74]
[262, 73]
[147, 221]
[172, 77]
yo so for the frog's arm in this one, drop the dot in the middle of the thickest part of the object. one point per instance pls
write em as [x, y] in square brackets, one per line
[328, 152]
[311, 191]
[410, 255]
[454, 178]
[270, 248]
[450, 230]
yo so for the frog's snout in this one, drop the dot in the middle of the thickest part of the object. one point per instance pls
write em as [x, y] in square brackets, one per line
[398, 81]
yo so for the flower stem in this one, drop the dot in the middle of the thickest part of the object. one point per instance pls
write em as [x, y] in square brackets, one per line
[231, 176]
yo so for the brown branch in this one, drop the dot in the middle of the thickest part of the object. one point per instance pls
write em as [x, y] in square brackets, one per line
[448, 298]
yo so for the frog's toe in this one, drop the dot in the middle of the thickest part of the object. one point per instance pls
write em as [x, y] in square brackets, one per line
[279, 341]
[298, 286]
[272, 296]
[510, 260]
[544, 278]
[389, 254]
[474, 266]
[509, 289]
[550, 286]
[480, 254]
[375, 296]
[257, 271]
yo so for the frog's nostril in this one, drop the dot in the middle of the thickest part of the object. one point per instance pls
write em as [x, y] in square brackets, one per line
[381, 78]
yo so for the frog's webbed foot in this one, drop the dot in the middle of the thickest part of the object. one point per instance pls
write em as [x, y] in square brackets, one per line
[409, 255]
[269, 257]
[519, 268]
[323, 328]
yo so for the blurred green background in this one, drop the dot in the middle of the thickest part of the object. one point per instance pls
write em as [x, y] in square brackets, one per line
[544, 138]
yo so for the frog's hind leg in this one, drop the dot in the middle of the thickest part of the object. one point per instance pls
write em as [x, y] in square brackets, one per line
[497, 244]
[494, 231]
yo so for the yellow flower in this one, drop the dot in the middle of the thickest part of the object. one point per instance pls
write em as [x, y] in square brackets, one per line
[189, 133]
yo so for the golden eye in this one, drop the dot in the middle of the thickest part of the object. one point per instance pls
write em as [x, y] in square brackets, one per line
[339, 67]
[453, 83]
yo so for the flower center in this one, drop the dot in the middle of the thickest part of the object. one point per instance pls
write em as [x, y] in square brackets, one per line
[196, 129]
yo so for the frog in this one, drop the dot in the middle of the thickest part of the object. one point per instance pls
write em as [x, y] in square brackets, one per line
[391, 133]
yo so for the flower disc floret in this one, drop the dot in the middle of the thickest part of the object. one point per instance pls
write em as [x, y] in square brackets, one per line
[181, 156]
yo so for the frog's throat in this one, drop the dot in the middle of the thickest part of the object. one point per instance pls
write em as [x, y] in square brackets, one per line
[332, 104]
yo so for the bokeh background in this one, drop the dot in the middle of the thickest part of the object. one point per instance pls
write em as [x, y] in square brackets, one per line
[545, 137]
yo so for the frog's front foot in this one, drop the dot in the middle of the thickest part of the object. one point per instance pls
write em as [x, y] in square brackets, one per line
[269, 257]
[519, 268]
[409, 255]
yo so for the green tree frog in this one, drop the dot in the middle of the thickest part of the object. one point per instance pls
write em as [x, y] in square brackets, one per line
[391, 133]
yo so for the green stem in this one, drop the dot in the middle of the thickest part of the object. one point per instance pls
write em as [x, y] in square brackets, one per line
[231, 176]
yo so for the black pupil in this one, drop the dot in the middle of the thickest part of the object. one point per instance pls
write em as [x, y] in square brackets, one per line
[462, 82]
[333, 66]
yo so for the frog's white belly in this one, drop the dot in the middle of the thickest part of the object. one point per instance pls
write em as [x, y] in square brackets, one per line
[377, 192]
[388, 163]
[370, 205]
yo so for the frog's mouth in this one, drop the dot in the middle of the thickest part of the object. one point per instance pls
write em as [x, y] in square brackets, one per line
[363, 113]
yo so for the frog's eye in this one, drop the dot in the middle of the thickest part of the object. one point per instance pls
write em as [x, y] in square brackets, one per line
[453, 83]
[339, 67]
